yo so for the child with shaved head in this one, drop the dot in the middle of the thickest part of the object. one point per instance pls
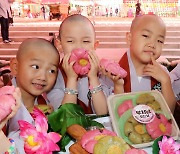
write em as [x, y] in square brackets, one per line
[146, 39]
[77, 31]
[35, 70]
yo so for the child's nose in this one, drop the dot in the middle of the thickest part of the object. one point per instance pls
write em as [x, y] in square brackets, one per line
[79, 45]
[152, 45]
[42, 75]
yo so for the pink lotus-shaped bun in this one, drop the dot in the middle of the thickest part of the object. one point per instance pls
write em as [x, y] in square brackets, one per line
[113, 67]
[159, 126]
[6, 101]
[81, 65]
[135, 151]
[126, 105]
[90, 138]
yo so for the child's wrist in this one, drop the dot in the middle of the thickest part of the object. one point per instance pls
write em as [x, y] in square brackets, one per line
[70, 91]
[12, 148]
[96, 89]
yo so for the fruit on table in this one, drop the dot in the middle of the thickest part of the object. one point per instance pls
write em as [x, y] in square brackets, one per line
[113, 67]
[159, 126]
[81, 65]
[6, 101]
[76, 148]
[111, 145]
[149, 100]
[46, 109]
[90, 138]
[136, 132]
[124, 106]
[76, 131]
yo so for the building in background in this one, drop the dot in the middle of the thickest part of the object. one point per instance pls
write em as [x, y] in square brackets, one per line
[96, 8]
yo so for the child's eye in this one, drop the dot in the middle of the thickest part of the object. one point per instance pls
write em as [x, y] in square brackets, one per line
[145, 36]
[69, 41]
[52, 71]
[86, 41]
[35, 66]
[160, 41]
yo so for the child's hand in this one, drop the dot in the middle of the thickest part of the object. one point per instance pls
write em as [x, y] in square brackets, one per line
[17, 96]
[156, 71]
[94, 61]
[68, 67]
[118, 81]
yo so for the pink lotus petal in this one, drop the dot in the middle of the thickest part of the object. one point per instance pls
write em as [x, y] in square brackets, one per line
[54, 136]
[40, 141]
[76, 55]
[113, 67]
[168, 146]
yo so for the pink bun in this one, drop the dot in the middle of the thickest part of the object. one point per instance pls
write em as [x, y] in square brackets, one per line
[113, 67]
[81, 65]
[154, 128]
[6, 101]
[135, 151]
[126, 105]
[88, 140]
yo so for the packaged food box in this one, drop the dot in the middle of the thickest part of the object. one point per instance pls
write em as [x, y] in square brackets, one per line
[143, 108]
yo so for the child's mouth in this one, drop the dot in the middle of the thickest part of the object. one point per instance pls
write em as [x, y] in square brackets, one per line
[38, 86]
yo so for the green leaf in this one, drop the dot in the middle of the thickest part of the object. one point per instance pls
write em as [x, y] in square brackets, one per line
[155, 146]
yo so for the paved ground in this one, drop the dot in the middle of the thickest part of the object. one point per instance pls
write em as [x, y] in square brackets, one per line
[98, 21]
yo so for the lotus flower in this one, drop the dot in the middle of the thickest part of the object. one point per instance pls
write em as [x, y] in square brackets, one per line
[159, 126]
[126, 105]
[168, 146]
[81, 65]
[36, 138]
[90, 138]
[6, 101]
[113, 67]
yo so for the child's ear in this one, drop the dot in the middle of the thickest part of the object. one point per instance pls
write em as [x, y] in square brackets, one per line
[58, 44]
[128, 38]
[96, 44]
[13, 66]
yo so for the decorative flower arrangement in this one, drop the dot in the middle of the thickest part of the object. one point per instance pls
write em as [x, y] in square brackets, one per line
[81, 65]
[166, 145]
[36, 138]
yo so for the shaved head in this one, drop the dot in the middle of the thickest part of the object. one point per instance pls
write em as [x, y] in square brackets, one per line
[35, 44]
[75, 18]
[137, 21]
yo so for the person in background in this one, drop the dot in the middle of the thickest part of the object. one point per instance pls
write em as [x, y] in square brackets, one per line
[138, 8]
[5, 14]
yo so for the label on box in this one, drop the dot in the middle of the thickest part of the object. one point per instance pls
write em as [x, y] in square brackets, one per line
[143, 113]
